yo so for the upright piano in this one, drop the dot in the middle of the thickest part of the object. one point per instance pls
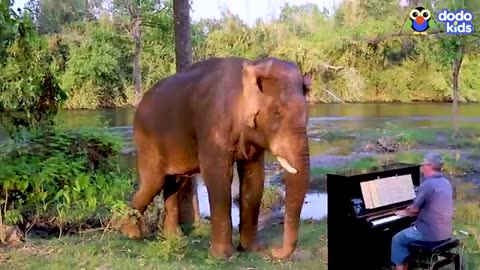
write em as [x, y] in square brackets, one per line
[361, 214]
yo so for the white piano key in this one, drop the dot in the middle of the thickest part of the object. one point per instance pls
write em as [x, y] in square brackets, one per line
[387, 219]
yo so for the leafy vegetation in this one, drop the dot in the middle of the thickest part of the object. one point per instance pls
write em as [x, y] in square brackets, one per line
[61, 179]
[353, 55]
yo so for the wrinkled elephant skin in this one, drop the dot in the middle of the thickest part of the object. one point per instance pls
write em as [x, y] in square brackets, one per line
[218, 112]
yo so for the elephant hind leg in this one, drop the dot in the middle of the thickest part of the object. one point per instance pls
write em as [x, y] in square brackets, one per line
[152, 179]
[171, 194]
[189, 212]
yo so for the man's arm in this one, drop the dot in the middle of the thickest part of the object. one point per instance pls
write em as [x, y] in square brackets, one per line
[418, 203]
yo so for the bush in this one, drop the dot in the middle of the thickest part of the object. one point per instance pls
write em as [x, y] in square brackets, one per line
[62, 179]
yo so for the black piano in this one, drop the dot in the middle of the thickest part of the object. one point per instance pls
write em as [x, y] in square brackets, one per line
[361, 214]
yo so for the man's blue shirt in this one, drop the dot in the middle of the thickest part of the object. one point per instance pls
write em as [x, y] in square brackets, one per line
[435, 202]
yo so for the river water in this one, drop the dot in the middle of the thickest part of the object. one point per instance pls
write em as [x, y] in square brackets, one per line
[351, 116]
[347, 116]
[343, 116]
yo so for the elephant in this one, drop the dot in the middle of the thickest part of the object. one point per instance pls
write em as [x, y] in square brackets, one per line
[218, 112]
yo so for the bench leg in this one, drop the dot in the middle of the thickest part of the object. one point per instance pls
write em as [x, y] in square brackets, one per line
[457, 262]
[451, 258]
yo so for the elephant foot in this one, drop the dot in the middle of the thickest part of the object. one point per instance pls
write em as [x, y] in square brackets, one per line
[281, 253]
[172, 232]
[220, 251]
[257, 246]
[132, 230]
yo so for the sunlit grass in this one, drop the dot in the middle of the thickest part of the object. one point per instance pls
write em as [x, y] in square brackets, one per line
[91, 251]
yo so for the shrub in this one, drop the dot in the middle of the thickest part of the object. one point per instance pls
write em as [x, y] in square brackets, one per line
[62, 178]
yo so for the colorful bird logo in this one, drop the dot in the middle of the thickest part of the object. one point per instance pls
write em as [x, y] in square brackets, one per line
[420, 20]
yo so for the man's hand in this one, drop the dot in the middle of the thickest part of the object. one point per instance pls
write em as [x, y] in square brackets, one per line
[402, 213]
[407, 212]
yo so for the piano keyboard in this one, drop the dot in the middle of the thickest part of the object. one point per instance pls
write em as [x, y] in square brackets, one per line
[386, 219]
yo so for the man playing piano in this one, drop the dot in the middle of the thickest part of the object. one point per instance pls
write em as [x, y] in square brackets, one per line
[433, 207]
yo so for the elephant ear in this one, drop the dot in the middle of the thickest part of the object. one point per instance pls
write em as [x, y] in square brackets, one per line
[252, 73]
[307, 84]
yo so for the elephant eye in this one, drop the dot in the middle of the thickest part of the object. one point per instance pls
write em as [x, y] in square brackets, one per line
[277, 114]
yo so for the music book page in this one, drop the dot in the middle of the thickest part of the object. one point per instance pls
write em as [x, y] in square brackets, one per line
[386, 191]
[367, 197]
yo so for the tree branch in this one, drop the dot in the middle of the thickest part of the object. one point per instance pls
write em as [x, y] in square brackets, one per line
[333, 95]
[152, 24]
[164, 8]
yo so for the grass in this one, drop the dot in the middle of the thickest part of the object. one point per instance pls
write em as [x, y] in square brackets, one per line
[271, 198]
[97, 250]
[334, 134]
[467, 219]
[91, 251]
[453, 165]
[408, 138]
[110, 250]
[319, 173]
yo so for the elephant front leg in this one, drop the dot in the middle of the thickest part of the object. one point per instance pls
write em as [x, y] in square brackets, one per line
[217, 172]
[251, 175]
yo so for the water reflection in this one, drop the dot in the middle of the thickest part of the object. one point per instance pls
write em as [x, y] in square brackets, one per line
[314, 207]
[350, 116]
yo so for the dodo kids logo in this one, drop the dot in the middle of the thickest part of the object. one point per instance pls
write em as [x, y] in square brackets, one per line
[456, 23]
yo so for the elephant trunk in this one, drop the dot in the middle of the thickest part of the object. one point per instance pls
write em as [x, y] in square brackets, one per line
[296, 183]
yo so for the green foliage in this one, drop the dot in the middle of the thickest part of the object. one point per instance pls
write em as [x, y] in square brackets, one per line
[468, 212]
[94, 74]
[8, 29]
[62, 178]
[29, 92]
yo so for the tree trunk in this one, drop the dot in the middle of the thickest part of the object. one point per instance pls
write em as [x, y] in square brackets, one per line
[137, 77]
[457, 64]
[183, 35]
[188, 198]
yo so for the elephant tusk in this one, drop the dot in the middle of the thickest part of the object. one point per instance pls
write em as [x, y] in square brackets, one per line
[286, 165]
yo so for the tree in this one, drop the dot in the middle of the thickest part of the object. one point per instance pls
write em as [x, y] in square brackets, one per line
[51, 15]
[188, 198]
[141, 13]
[30, 95]
[183, 34]
[455, 47]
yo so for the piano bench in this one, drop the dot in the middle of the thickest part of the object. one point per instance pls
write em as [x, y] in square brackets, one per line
[434, 255]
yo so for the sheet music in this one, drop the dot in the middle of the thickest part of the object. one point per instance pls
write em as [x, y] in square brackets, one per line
[386, 191]
[367, 196]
